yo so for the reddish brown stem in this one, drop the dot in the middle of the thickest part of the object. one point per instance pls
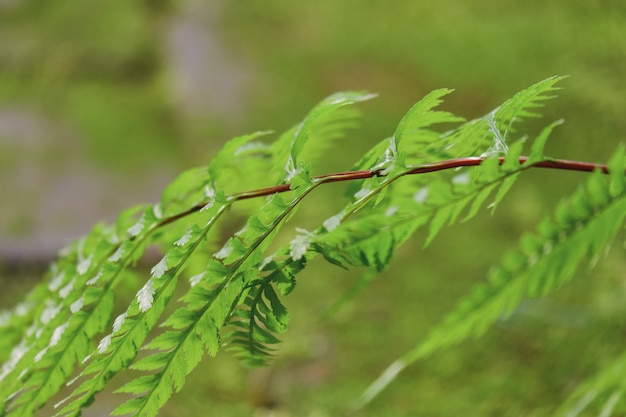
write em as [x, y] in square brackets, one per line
[473, 161]
[423, 169]
[562, 164]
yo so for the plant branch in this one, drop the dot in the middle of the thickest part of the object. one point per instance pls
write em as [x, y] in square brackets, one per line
[562, 164]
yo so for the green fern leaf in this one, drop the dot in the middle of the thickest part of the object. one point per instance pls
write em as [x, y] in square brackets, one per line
[132, 328]
[325, 122]
[580, 228]
[523, 103]
[602, 394]
[263, 314]
[214, 299]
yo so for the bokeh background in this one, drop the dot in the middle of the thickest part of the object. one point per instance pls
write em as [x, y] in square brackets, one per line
[103, 103]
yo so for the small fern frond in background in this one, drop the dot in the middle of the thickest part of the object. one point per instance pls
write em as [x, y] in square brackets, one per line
[582, 227]
[601, 394]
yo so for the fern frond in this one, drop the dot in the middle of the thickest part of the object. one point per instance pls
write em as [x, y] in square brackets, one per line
[213, 300]
[583, 227]
[413, 136]
[85, 310]
[235, 294]
[262, 317]
[210, 304]
[118, 349]
[372, 239]
[501, 120]
[523, 104]
[602, 394]
[325, 122]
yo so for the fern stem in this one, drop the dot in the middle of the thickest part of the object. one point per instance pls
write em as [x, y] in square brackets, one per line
[562, 164]
[552, 163]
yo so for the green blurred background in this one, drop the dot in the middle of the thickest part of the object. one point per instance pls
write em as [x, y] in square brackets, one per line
[102, 103]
